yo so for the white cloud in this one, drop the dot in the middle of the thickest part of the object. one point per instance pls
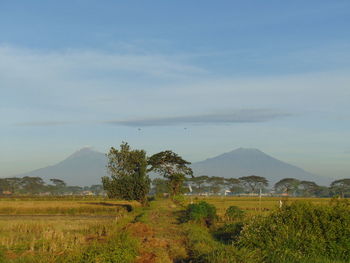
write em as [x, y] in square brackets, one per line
[94, 85]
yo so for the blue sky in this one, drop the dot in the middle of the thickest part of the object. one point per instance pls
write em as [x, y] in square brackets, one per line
[198, 77]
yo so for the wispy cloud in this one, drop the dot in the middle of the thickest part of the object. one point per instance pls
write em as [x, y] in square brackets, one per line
[240, 116]
[45, 123]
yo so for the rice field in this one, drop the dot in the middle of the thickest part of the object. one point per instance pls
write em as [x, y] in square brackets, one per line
[254, 205]
[43, 231]
[66, 230]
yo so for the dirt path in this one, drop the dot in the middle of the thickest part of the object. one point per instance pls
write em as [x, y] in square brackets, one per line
[162, 238]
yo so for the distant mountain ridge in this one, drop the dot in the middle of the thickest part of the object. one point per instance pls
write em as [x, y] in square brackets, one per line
[83, 168]
[250, 161]
[86, 167]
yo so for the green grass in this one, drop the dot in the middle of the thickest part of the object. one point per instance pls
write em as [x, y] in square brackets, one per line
[93, 229]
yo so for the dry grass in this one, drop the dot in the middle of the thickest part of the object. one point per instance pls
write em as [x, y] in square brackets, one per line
[10, 207]
[48, 229]
[252, 205]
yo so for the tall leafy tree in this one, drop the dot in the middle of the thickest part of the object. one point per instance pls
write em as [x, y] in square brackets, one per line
[198, 182]
[14, 184]
[287, 185]
[32, 185]
[4, 185]
[341, 187]
[160, 186]
[58, 186]
[233, 185]
[128, 174]
[308, 188]
[252, 183]
[172, 167]
[216, 183]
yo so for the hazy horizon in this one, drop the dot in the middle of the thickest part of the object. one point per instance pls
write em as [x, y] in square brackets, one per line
[200, 80]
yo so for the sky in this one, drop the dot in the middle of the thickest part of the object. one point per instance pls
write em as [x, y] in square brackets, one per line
[198, 77]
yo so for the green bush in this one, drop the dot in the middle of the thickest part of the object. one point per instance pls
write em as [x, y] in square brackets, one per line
[204, 249]
[229, 233]
[234, 213]
[120, 249]
[301, 232]
[202, 213]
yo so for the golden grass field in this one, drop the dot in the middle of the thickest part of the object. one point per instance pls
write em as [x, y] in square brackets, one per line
[50, 228]
[254, 205]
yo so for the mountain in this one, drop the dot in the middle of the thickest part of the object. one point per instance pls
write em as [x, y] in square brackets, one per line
[245, 162]
[84, 168]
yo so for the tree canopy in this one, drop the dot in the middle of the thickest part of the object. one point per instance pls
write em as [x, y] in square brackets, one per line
[128, 171]
[172, 167]
[253, 182]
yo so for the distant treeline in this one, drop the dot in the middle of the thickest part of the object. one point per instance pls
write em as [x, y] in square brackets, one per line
[253, 184]
[37, 186]
[199, 185]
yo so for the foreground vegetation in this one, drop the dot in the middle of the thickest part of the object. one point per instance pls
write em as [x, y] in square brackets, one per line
[212, 230]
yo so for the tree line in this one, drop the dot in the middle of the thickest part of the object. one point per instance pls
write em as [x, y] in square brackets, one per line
[129, 179]
[253, 184]
[36, 185]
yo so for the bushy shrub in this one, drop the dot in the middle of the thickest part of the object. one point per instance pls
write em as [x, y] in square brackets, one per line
[301, 232]
[229, 233]
[120, 249]
[202, 213]
[234, 213]
[204, 249]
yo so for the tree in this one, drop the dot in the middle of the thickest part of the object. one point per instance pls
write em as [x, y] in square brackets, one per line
[253, 182]
[216, 183]
[287, 185]
[32, 185]
[58, 187]
[172, 167]
[4, 185]
[160, 186]
[198, 181]
[233, 185]
[341, 187]
[96, 189]
[14, 184]
[128, 171]
[308, 188]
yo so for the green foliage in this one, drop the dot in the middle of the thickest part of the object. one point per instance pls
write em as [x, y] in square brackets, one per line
[129, 179]
[160, 187]
[229, 233]
[233, 213]
[202, 213]
[172, 167]
[2, 256]
[204, 249]
[120, 249]
[252, 183]
[288, 185]
[300, 232]
[341, 187]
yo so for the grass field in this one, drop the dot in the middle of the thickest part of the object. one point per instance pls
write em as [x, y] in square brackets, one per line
[253, 205]
[80, 230]
[46, 231]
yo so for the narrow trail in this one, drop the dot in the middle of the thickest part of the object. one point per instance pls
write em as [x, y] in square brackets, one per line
[162, 239]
